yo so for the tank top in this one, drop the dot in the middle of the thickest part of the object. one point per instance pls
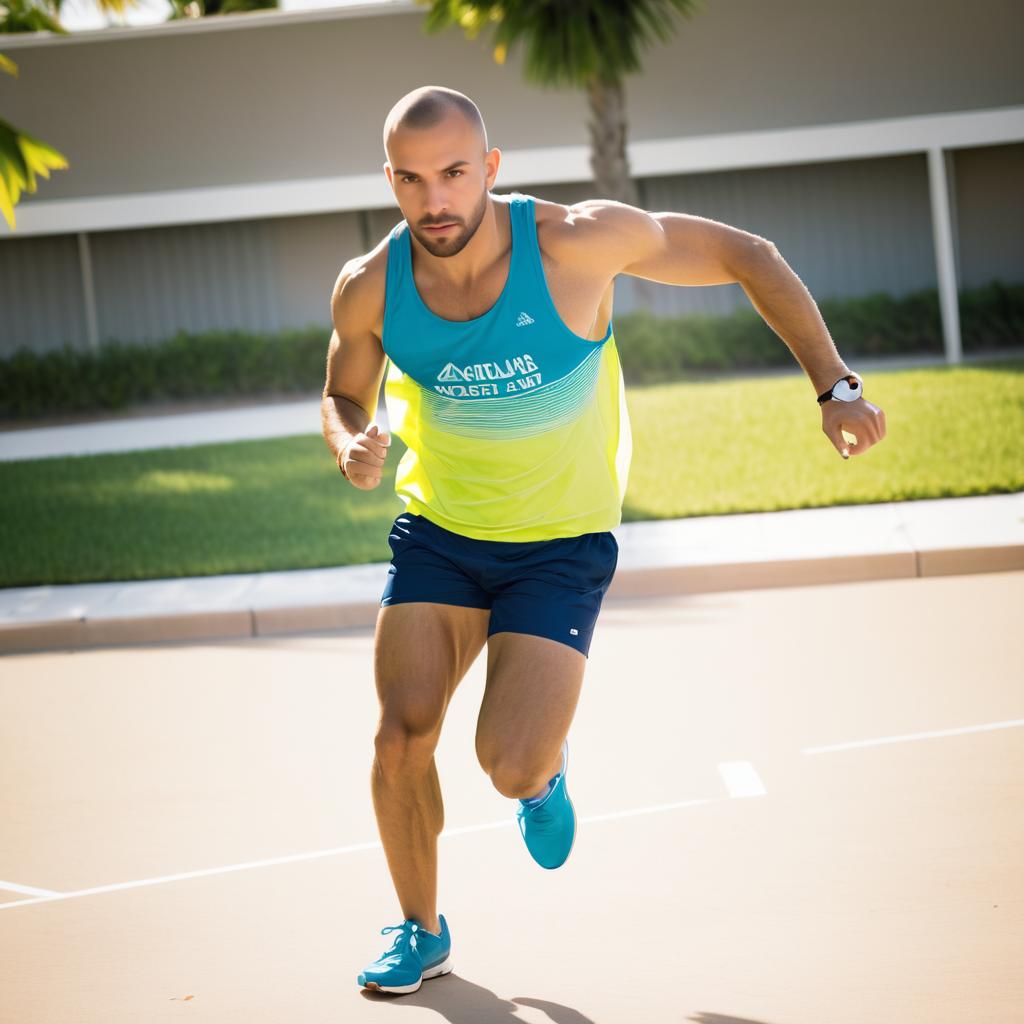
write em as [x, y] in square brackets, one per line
[516, 427]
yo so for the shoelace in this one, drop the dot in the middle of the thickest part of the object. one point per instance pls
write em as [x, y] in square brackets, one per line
[406, 936]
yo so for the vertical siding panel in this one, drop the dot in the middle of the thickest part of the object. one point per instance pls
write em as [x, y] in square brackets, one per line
[990, 209]
[41, 302]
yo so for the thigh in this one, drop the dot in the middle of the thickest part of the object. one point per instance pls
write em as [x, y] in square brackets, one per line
[430, 564]
[533, 687]
[555, 589]
[422, 650]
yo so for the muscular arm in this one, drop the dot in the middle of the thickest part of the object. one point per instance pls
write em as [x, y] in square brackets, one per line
[675, 248]
[681, 249]
[355, 359]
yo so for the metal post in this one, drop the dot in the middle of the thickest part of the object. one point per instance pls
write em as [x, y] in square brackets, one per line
[88, 291]
[945, 253]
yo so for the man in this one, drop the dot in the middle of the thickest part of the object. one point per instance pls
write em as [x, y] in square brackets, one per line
[504, 384]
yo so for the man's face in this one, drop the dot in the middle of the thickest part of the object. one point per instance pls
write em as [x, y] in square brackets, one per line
[441, 177]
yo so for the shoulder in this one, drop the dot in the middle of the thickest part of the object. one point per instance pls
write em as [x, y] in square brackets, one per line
[595, 232]
[359, 288]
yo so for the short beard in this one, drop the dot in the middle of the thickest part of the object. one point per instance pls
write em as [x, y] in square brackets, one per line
[451, 245]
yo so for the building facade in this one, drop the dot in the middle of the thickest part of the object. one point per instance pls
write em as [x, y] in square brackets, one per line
[223, 170]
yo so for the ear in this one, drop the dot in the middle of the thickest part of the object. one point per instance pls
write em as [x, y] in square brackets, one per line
[492, 160]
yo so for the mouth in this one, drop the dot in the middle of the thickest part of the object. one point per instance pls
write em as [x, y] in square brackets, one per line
[439, 228]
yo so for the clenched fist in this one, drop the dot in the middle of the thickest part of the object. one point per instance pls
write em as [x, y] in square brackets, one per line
[853, 427]
[362, 459]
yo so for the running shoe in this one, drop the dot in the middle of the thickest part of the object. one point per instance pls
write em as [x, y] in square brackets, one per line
[415, 954]
[549, 827]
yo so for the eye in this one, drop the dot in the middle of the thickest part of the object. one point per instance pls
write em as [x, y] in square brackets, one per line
[455, 170]
[406, 178]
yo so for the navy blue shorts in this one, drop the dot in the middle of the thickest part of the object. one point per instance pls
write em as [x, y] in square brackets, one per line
[549, 588]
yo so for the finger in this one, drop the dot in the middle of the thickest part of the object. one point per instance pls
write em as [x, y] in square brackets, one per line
[367, 456]
[364, 480]
[381, 437]
[874, 423]
[835, 435]
[365, 468]
[379, 451]
[374, 430]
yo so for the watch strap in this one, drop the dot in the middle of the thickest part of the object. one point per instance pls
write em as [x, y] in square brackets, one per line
[826, 395]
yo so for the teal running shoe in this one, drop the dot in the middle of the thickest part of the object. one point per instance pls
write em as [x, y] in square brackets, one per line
[414, 955]
[549, 827]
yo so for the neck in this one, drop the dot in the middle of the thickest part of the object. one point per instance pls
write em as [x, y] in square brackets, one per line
[493, 238]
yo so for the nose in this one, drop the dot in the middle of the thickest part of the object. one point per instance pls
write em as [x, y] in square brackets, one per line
[436, 205]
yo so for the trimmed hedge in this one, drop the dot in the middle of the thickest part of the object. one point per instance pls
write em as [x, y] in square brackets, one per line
[214, 363]
[660, 349]
[223, 363]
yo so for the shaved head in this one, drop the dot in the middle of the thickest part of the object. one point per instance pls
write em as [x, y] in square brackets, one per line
[439, 166]
[427, 107]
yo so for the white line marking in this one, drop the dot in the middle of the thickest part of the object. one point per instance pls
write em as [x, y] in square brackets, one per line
[27, 890]
[741, 779]
[332, 852]
[1008, 724]
[653, 809]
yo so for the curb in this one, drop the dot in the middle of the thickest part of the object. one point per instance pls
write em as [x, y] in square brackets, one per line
[743, 551]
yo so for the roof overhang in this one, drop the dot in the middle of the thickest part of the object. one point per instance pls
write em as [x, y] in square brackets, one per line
[212, 23]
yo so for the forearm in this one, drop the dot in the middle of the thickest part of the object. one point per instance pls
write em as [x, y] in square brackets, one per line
[788, 308]
[341, 419]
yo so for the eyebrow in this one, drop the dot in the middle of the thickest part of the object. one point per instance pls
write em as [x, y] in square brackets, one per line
[458, 163]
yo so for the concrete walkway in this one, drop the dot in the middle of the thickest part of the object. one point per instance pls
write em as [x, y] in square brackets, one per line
[795, 547]
[170, 430]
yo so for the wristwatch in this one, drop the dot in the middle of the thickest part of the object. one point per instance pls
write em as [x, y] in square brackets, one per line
[846, 389]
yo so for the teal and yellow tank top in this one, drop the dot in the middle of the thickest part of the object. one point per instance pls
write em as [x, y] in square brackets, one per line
[516, 426]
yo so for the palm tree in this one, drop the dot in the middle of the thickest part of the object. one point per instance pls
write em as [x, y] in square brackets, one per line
[588, 44]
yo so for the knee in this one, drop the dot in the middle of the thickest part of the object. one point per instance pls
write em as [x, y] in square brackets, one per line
[399, 748]
[514, 777]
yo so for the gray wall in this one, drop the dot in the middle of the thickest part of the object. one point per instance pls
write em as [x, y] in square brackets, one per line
[289, 101]
[846, 227]
[990, 214]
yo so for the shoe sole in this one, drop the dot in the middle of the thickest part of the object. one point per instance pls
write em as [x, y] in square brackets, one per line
[445, 967]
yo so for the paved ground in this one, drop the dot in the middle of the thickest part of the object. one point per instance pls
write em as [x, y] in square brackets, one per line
[797, 806]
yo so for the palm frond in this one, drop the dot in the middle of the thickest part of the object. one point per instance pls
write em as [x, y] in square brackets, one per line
[567, 42]
[22, 157]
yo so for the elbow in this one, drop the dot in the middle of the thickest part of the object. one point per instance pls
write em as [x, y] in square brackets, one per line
[763, 248]
[758, 254]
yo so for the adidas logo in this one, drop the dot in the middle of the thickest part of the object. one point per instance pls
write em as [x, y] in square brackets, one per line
[524, 320]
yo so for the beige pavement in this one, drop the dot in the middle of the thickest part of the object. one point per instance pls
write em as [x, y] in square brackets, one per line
[798, 805]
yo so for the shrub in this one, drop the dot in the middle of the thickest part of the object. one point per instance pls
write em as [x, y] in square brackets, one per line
[223, 363]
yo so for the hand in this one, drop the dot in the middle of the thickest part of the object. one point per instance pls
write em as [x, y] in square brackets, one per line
[362, 459]
[864, 422]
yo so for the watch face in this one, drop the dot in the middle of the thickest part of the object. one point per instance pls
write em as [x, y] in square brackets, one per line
[848, 389]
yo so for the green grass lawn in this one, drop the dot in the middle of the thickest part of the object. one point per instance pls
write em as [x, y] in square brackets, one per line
[698, 449]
